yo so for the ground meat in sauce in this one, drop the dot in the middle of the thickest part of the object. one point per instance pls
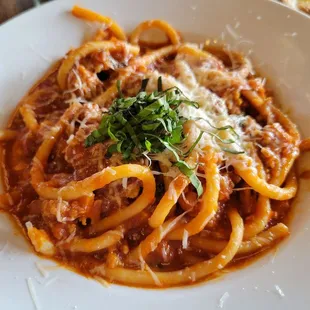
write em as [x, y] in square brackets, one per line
[71, 161]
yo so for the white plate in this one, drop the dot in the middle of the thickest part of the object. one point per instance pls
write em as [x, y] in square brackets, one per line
[280, 45]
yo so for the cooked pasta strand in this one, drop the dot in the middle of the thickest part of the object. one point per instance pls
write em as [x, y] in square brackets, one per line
[89, 15]
[155, 23]
[244, 167]
[7, 135]
[86, 49]
[209, 203]
[106, 240]
[170, 198]
[29, 117]
[76, 177]
[200, 270]
[262, 240]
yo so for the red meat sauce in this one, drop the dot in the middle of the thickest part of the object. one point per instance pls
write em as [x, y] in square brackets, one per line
[72, 161]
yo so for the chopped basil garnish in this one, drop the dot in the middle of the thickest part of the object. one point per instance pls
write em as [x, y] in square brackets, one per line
[147, 123]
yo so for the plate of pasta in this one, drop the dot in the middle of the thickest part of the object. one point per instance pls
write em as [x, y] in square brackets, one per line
[155, 155]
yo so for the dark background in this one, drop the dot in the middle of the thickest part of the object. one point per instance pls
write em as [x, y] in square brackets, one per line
[10, 8]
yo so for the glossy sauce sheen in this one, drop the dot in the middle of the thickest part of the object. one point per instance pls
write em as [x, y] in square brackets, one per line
[73, 162]
[168, 256]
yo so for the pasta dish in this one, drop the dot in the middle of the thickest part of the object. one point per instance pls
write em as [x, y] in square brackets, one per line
[152, 164]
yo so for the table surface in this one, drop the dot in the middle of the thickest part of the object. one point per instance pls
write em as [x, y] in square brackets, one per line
[10, 8]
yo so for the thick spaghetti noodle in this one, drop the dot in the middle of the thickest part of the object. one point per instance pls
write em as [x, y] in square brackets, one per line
[149, 166]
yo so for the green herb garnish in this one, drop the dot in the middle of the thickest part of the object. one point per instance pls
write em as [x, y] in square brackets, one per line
[223, 141]
[146, 123]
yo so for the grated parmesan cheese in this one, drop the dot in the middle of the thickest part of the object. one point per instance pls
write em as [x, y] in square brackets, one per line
[242, 189]
[60, 205]
[113, 192]
[279, 291]
[76, 100]
[10, 199]
[193, 276]
[102, 281]
[153, 275]
[173, 172]
[142, 261]
[79, 81]
[148, 158]
[185, 239]
[290, 34]
[70, 139]
[274, 255]
[4, 247]
[223, 299]
[38, 162]
[291, 3]
[156, 172]
[71, 236]
[124, 182]
[172, 194]
[110, 170]
[232, 32]
[42, 270]
[48, 60]
[28, 225]
[49, 282]
[33, 293]
[163, 233]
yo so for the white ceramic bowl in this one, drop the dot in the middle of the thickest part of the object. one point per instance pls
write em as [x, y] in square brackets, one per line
[278, 40]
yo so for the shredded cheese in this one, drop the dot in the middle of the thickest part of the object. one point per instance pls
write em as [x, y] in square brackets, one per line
[164, 232]
[279, 291]
[79, 81]
[4, 247]
[124, 182]
[290, 34]
[42, 270]
[148, 158]
[48, 60]
[49, 282]
[172, 195]
[71, 236]
[232, 32]
[10, 199]
[274, 255]
[70, 139]
[185, 239]
[33, 293]
[28, 225]
[38, 162]
[223, 299]
[153, 275]
[110, 170]
[102, 281]
[156, 172]
[58, 211]
[113, 192]
[142, 261]
[193, 276]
